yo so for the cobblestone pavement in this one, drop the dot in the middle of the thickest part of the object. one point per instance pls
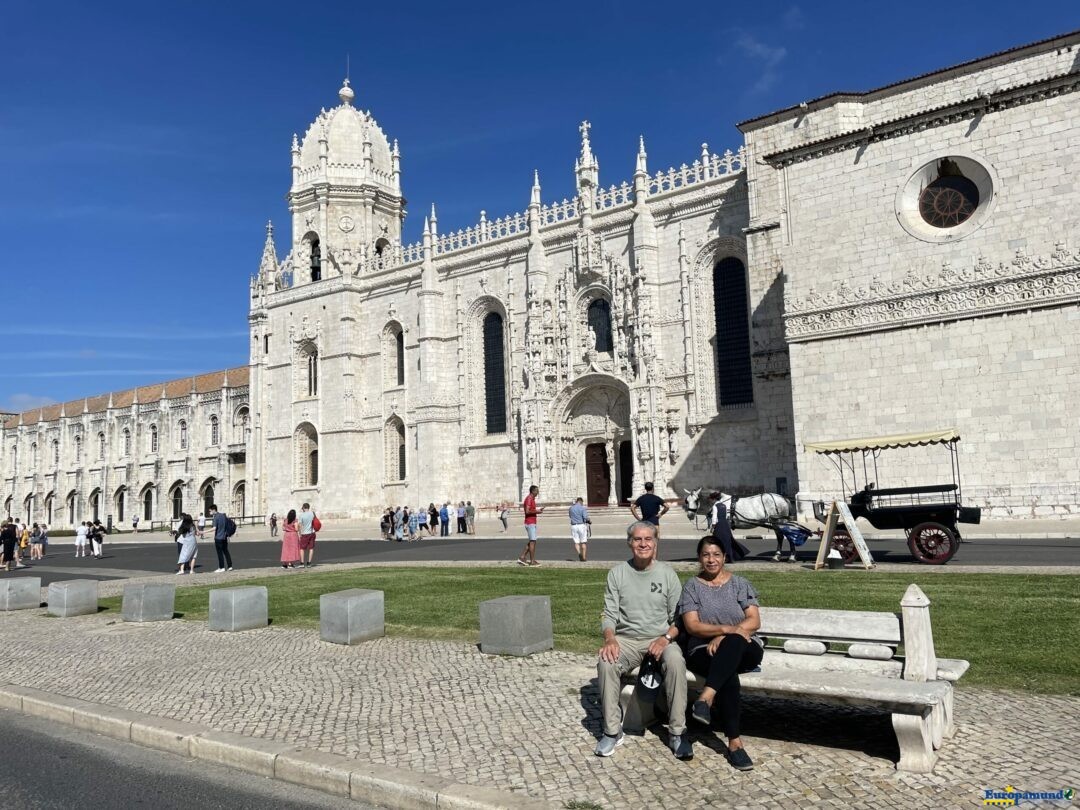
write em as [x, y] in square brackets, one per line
[524, 724]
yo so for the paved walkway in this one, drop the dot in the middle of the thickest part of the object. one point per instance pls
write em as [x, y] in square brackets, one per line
[523, 725]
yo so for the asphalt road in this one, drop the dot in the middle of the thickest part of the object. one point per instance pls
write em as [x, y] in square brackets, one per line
[122, 560]
[50, 766]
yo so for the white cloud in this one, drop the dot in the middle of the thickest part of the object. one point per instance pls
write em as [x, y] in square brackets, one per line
[793, 19]
[17, 403]
[767, 59]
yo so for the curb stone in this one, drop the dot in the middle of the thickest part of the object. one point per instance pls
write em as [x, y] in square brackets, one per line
[384, 785]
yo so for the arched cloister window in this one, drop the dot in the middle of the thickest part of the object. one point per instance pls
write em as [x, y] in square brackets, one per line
[95, 505]
[239, 505]
[381, 245]
[494, 374]
[101, 445]
[33, 456]
[121, 502]
[78, 449]
[127, 442]
[208, 497]
[56, 452]
[148, 504]
[215, 431]
[176, 498]
[49, 508]
[316, 260]
[153, 439]
[182, 434]
[599, 317]
[394, 446]
[734, 374]
[72, 507]
[399, 349]
[240, 425]
[306, 450]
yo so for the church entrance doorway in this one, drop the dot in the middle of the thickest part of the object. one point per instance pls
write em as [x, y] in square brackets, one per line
[597, 474]
[626, 472]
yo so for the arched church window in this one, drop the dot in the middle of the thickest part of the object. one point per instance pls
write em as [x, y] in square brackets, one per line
[313, 373]
[78, 449]
[381, 245]
[33, 455]
[399, 348]
[56, 452]
[733, 370]
[182, 434]
[177, 498]
[494, 374]
[394, 444]
[316, 261]
[148, 505]
[600, 324]
[101, 445]
[127, 442]
[215, 431]
[306, 449]
[153, 439]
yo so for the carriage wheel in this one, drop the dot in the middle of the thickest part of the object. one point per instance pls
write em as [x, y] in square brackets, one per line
[843, 543]
[932, 543]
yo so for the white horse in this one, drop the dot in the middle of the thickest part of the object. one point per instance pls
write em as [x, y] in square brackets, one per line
[745, 511]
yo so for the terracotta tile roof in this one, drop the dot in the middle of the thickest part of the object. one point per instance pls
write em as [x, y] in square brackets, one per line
[203, 383]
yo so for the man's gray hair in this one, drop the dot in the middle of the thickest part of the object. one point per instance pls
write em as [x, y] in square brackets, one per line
[633, 527]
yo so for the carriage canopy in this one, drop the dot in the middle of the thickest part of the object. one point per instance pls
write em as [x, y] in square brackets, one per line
[884, 442]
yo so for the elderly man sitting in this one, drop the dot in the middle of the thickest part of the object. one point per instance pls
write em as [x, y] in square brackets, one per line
[639, 619]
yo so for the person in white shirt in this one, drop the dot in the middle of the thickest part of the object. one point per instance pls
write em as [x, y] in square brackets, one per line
[80, 540]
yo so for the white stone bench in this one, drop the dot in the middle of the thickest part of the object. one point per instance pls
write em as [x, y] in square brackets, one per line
[850, 658]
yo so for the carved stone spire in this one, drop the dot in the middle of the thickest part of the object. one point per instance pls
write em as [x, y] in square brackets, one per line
[434, 221]
[269, 263]
[346, 93]
[642, 165]
[587, 166]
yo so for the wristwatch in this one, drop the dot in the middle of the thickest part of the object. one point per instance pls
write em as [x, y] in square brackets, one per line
[668, 638]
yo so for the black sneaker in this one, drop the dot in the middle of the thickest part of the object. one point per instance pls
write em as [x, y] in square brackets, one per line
[740, 760]
[701, 712]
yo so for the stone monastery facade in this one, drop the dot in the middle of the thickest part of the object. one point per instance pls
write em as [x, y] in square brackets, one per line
[899, 260]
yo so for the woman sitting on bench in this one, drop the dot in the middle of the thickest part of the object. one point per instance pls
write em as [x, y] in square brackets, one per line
[719, 611]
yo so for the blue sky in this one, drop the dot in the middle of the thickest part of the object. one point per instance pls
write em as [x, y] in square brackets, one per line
[144, 145]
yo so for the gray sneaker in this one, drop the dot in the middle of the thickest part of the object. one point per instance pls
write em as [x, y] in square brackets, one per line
[607, 745]
[681, 746]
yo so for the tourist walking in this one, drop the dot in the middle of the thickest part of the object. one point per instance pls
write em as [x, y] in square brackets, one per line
[290, 541]
[222, 524]
[97, 539]
[444, 519]
[80, 540]
[307, 519]
[188, 539]
[433, 520]
[504, 516]
[579, 529]
[413, 522]
[44, 541]
[470, 518]
[649, 507]
[273, 524]
[9, 538]
[421, 522]
[720, 613]
[528, 555]
[135, 524]
[35, 542]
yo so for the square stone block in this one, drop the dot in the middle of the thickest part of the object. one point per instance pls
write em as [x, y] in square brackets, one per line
[352, 616]
[516, 625]
[73, 597]
[149, 601]
[20, 593]
[235, 609]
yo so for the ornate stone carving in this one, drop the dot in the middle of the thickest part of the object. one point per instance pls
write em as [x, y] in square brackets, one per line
[1023, 283]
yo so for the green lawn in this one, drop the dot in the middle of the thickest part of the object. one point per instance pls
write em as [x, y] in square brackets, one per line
[1019, 631]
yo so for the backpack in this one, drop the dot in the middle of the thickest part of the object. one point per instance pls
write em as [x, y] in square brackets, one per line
[316, 524]
[230, 527]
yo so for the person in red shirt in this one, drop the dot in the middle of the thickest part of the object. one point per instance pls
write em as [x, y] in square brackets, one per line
[528, 555]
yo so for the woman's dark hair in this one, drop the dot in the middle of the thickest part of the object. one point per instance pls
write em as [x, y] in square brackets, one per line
[709, 540]
[186, 525]
[291, 517]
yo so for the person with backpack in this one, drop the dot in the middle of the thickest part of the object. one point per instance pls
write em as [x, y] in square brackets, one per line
[224, 528]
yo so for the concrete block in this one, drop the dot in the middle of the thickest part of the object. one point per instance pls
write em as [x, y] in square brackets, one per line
[73, 597]
[516, 625]
[108, 721]
[20, 593]
[352, 616]
[315, 769]
[251, 754]
[149, 601]
[235, 609]
[473, 797]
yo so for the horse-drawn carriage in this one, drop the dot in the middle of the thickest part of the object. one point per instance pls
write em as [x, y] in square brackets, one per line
[927, 514]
